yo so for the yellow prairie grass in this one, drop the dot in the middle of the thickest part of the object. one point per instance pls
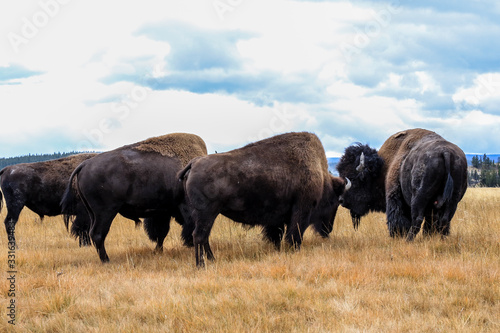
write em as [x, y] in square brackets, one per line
[351, 282]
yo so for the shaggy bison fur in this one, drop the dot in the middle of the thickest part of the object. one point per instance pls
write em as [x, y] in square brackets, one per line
[415, 176]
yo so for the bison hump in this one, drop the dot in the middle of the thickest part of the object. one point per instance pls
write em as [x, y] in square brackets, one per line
[179, 145]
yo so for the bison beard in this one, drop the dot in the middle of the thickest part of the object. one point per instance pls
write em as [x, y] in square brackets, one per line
[356, 219]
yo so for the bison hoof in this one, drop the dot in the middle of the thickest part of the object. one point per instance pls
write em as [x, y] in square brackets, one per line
[105, 260]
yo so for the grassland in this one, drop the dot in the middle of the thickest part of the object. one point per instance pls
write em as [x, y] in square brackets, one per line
[351, 282]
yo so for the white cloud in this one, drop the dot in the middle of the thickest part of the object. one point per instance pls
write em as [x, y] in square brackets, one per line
[222, 121]
[431, 65]
[485, 89]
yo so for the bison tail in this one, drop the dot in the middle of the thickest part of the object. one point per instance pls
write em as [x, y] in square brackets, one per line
[448, 187]
[69, 199]
[184, 172]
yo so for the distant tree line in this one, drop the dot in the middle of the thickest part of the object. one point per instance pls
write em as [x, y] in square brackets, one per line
[484, 172]
[5, 161]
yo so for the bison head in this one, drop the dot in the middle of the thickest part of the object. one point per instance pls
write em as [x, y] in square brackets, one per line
[363, 167]
[323, 215]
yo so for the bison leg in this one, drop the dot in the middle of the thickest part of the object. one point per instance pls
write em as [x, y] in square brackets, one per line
[208, 251]
[415, 228]
[274, 234]
[99, 231]
[185, 219]
[200, 236]
[297, 226]
[430, 224]
[11, 221]
[444, 220]
[324, 226]
[200, 251]
[398, 222]
[187, 234]
[157, 229]
[418, 205]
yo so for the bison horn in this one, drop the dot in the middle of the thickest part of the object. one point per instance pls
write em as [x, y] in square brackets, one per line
[348, 185]
[361, 165]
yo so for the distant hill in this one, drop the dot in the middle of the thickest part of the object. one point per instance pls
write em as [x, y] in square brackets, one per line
[5, 161]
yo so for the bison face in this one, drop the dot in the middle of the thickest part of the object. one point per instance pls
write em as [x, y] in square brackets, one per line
[363, 167]
[324, 213]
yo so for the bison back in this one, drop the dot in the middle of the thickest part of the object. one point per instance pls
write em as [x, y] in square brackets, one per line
[262, 178]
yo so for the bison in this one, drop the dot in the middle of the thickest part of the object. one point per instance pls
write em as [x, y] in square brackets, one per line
[137, 181]
[40, 187]
[415, 176]
[277, 182]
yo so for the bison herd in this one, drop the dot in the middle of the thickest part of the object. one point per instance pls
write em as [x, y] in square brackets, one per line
[281, 184]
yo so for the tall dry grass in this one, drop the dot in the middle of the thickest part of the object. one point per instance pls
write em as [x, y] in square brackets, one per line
[354, 281]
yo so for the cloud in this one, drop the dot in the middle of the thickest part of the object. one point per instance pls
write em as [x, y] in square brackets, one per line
[44, 141]
[427, 53]
[194, 48]
[483, 93]
[13, 73]
[158, 67]
[209, 61]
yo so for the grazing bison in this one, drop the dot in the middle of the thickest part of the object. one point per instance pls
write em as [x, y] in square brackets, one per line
[40, 187]
[277, 182]
[137, 180]
[415, 175]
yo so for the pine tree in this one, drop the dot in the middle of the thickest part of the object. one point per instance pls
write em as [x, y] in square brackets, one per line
[475, 161]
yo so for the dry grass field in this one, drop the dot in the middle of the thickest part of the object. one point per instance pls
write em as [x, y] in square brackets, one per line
[352, 282]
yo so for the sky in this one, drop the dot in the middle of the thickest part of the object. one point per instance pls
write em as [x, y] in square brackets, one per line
[97, 75]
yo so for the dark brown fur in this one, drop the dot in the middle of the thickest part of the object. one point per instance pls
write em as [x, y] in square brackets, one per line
[40, 187]
[415, 176]
[394, 151]
[137, 181]
[272, 183]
